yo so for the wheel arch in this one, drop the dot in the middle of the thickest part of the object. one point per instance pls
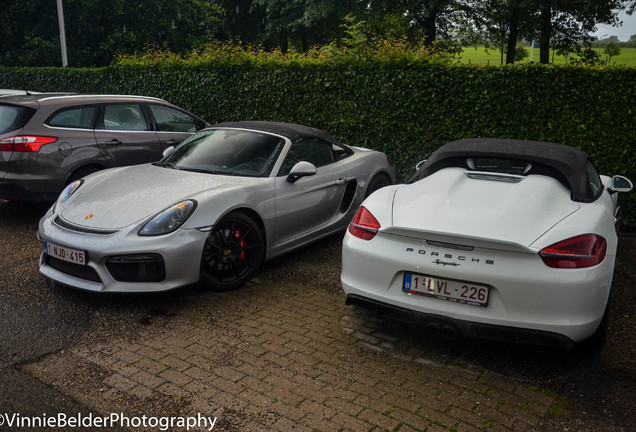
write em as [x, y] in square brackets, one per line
[377, 175]
[83, 170]
[385, 173]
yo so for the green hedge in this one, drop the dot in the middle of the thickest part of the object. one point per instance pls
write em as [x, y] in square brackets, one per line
[406, 109]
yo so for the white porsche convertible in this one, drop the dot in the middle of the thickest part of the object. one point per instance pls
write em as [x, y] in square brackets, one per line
[499, 239]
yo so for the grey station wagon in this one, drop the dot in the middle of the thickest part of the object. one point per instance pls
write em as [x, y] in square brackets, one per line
[47, 140]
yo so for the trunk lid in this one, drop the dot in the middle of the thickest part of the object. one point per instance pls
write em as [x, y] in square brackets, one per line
[451, 203]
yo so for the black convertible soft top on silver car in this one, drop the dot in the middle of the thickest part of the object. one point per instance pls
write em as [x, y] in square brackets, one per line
[292, 131]
[569, 165]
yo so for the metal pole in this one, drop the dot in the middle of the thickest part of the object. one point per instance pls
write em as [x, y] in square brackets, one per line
[60, 19]
[532, 50]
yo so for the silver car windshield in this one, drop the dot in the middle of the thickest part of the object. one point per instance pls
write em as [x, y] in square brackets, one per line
[227, 151]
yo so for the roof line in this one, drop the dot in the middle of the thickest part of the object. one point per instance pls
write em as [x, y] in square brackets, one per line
[100, 96]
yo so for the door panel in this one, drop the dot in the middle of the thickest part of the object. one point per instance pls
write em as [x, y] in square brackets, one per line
[124, 136]
[309, 203]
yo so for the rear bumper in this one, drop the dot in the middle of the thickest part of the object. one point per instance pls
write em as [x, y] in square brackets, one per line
[524, 293]
[437, 325]
[17, 192]
[39, 190]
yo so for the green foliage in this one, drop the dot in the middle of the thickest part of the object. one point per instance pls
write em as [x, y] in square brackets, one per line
[521, 53]
[97, 29]
[406, 105]
[586, 56]
[612, 49]
[356, 48]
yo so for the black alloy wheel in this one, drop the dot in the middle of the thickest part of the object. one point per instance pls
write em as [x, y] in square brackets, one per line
[232, 253]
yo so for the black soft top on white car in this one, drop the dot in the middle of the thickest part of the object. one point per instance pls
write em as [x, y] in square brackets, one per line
[569, 165]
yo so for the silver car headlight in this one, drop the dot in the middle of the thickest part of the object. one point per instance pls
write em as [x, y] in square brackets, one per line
[67, 192]
[169, 220]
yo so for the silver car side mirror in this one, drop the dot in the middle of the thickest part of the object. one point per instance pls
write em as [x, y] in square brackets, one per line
[621, 184]
[301, 169]
[167, 151]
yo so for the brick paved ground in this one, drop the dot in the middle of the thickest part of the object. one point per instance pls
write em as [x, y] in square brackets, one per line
[284, 358]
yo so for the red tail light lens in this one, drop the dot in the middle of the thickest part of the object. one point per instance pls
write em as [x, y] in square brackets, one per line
[577, 252]
[364, 225]
[25, 143]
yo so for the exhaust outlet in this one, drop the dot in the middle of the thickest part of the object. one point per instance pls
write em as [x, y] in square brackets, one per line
[449, 332]
[432, 329]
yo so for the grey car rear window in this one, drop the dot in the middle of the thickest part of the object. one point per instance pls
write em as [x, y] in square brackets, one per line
[13, 117]
[78, 117]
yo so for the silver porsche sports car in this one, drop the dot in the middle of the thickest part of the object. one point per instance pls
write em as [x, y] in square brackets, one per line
[211, 211]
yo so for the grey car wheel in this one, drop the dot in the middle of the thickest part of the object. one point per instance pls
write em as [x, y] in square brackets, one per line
[233, 253]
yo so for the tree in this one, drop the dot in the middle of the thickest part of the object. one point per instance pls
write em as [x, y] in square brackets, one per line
[241, 20]
[502, 23]
[97, 29]
[29, 35]
[521, 53]
[612, 49]
[565, 23]
[586, 56]
[307, 21]
[438, 18]
[430, 20]
[560, 24]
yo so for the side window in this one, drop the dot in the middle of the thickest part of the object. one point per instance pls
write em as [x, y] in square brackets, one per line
[318, 152]
[125, 117]
[14, 117]
[594, 180]
[171, 120]
[77, 117]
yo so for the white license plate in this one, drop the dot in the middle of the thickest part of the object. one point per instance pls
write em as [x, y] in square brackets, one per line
[64, 253]
[446, 289]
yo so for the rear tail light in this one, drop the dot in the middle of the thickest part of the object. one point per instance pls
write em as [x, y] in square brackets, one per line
[582, 251]
[389, 161]
[364, 225]
[25, 143]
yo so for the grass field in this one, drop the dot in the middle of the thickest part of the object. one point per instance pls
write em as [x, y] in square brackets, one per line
[492, 56]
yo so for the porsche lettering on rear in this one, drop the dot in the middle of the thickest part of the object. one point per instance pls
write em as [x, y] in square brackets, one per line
[448, 256]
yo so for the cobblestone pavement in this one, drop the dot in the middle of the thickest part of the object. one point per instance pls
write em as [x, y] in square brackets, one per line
[285, 353]
[291, 357]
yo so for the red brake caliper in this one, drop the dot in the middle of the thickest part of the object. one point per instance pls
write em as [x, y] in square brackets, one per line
[243, 243]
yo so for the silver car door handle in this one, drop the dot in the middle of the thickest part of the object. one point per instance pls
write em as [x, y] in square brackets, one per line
[340, 181]
[114, 142]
